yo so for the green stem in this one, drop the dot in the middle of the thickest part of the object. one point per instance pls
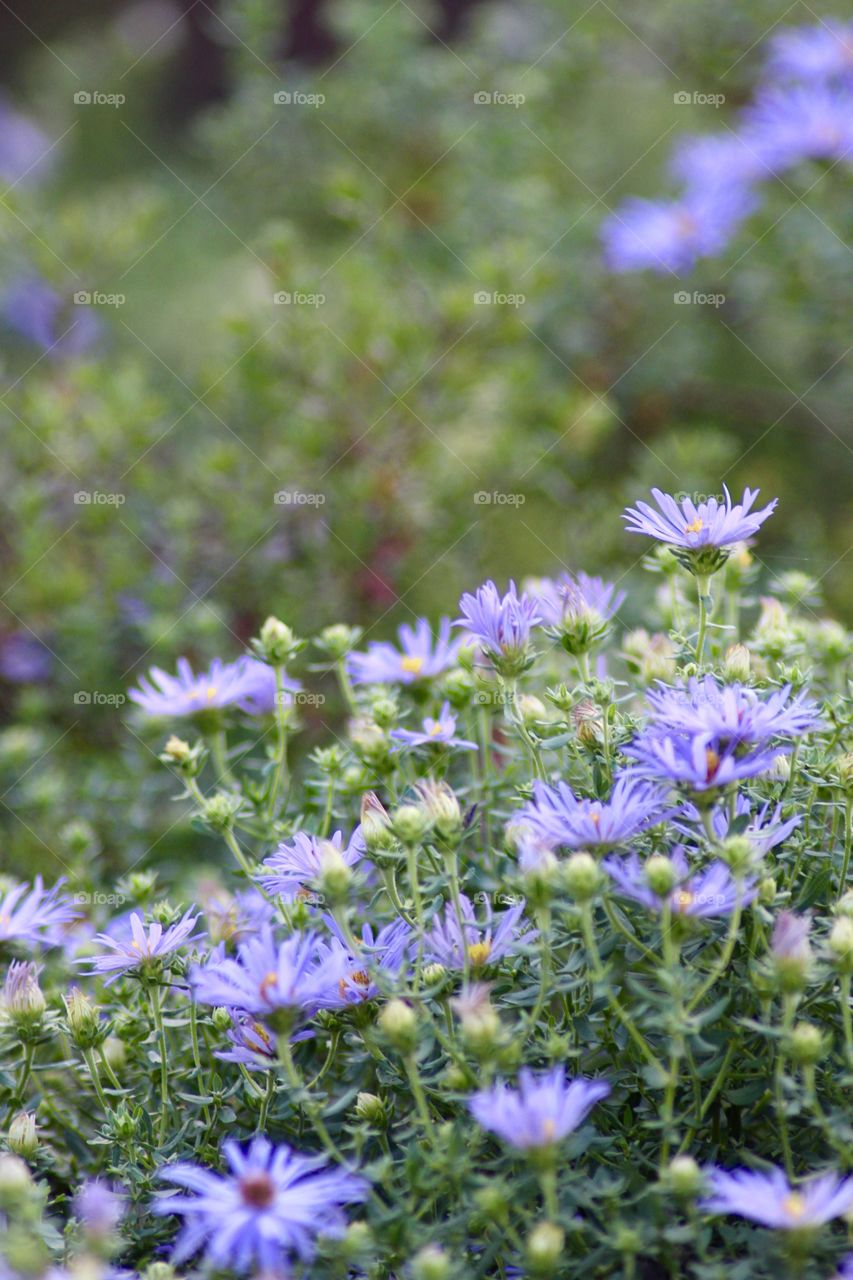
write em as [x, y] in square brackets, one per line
[848, 842]
[703, 588]
[154, 996]
[280, 765]
[219, 756]
[600, 977]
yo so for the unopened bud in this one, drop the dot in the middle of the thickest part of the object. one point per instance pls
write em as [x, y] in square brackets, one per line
[220, 811]
[221, 1018]
[430, 1263]
[790, 951]
[531, 710]
[16, 1183]
[587, 721]
[115, 1054]
[767, 891]
[23, 1138]
[736, 665]
[684, 1177]
[441, 807]
[738, 853]
[370, 741]
[335, 873]
[338, 640]
[410, 823]
[433, 974]
[458, 688]
[276, 644]
[806, 1044]
[375, 824]
[370, 1108]
[844, 771]
[841, 944]
[398, 1023]
[84, 1025]
[661, 875]
[545, 1247]
[23, 1001]
[177, 750]
[582, 876]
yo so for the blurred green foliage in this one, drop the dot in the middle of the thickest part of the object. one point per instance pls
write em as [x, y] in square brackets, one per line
[400, 398]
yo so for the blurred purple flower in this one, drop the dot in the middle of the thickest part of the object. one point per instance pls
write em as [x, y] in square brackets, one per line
[543, 1110]
[246, 684]
[788, 126]
[823, 52]
[439, 732]
[765, 831]
[695, 762]
[711, 892]
[501, 624]
[571, 596]
[418, 657]
[485, 942]
[558, 817]
[769, 1198]
[730, 715]
[26, 153]
[38, 313]
[24, 659]
[668, 236]
[301, 974]
[35, 914]
[298, 862]
[100, 1208]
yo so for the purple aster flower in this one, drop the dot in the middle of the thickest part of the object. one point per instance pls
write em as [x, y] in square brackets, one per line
[246, 684]
[418, 657]
[714, 161]
[801, 123]
[711, 892]
[543, 1110]
[790, 940]
[100, 1208]
[298, 863]
[485, 942]
[231, 917]
[267, 1209]
[301, 974]
[385, 952]
[813, 53]
[669, 236]
[22, 995]
[35, 914]
[440, 732]
[765, 830]
[695, 763]
[577, 609]
[500, 624]
[145, 946]
[39, 314]
[26, 154]
[696, 526]
[252, 1044]
[732, 715]
[769, 1198]
[557, 816]
[24, 659]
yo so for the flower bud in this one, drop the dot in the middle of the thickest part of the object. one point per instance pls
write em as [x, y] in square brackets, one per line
[114, 1053]
[328, 759]
[220, 810]
[23, 1139]
[159, 1271]
[738, 853]
[335, 874]
[545, 1247]
[370, 1108]
[124, 1122]
[531, 710]
[410, 823]
[276, 644]
[356, 1240]
[844, 771]
[433, 974]
[841, 944]
[791, 952]
[493, 1203]
[375, 824]
[844, 906]
[221, 1018]
[458, 688]
[806, 1044]
[441, 807]
[385, 710]
[338, 640]
[430, 1263]
[684, 1177]
[767, 891]
[398, 1023]
[736, 665]
[479, 1020]
[176, 750]
[16, 1183]
[661, 875]
[23, 1001]
[84, 1025]
[370, 741]
[582, 876]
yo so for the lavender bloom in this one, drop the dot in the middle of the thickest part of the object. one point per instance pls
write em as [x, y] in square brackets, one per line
[143, 948]
[35, 914]
[669, 236]
[24, 659]
[440, 732]
[300, 974]
[696, 526]
[711, 892]
[36, 312]
[731, 715]
[542, 1111]
[500, 624]
[418, 658]
[99, 1207]
[385, 951]
[769, 1198]
[246, 684]
[715, 161]
[695, 763]
[231, 917]
[269, 1207]
[299, 863]
[765, 831]
[790, 940]
[26, 154]
[813, 54]
[448, 944]
[253, 1044]
[573, 597]
[801, 123]
[557, 816]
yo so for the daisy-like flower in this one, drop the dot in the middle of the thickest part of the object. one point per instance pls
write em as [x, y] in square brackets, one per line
[246, 684]
[713, 161]
[700, 533]
[252, 1044]
[485, 942]
[439, 732]
[418, 657]
[35, 914]
[269, 978]
[297, 863]
[669, 236]
[385, 951]
[100, 1208]
[813, 54]
[732, 715]
[765, 829]
[543, 1110]
[770, 1199]
[696, 763]
[264, 1212]
[231, 917]
[145, 946]
[500, 624]
[711, 892]
[576, 609]
[558, 817]
[806, 122]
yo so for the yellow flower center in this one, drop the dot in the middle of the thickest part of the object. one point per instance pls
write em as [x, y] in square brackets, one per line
[262, 1034]
[712, 760]
[549, 1130]
[270, 980]
[211, 692]
[435, 730]
[478, 953]
[360, 978]
[794, 1205]
[412, 666]
[695, 527]
[595, 818]
[683, 899]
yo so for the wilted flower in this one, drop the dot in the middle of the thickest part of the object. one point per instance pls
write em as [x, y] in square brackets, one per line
[145, 947]
[485, 942]
[418, 658]
[542, 1111]
[265, 1211]
[247, 684]
[770, 1199]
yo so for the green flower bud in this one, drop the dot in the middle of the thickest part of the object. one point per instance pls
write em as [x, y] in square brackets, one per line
[738, 853]
[125, 1123]
[626, 1239]
[220, 811]
[84, 1026]
[736, 665]
[493, 1202]
[398, 1023]
[329, 760]
[458, 688]
[80, 839]
[221, 1019]
[159, 1271]
[335, 874]
[433, 974]
[356, 1240]
[841, 944]
[338, 640]
[23, 1001]
[385, 710]
[370, 1108]
[276, 644]
[23, 1138]
[767, 891]
[369, 741]
[531, 710]
[545, 1247]
[661, 875]
[844, 906]
[430, 1263]
[115, 1053]
[684, 1177]
[176, 751]
[375, 824]
[140, 886]
[16, 1183]
[441, 808]
[479, 1020]
[410, 823]
[844, 771]
[582, 876]
[806, 1044]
